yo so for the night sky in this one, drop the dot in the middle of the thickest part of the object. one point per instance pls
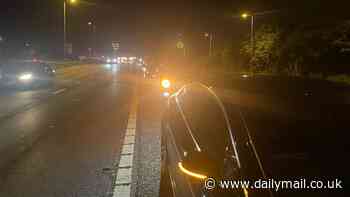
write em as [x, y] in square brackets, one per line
[141, 25]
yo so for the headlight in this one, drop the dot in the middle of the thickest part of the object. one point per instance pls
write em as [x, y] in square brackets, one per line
[166, 94]
[114, 60]
[25, 77]
[166, 83]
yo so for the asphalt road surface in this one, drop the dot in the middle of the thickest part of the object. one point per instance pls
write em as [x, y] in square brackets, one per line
[66, 140]
[70, 139]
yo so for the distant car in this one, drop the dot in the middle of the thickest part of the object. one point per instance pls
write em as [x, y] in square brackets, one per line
[26, 74]
[111, 60]
[198, 143]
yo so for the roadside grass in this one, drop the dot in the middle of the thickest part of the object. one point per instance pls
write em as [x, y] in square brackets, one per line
[226, 76]
[341, 78]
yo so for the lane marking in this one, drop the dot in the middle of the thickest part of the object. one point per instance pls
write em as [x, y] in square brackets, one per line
[130, 132]
[122, 190]
[130, 139]
[126, 161]
[59, 91]
[128, 149]
[123, 176]
[123, 181]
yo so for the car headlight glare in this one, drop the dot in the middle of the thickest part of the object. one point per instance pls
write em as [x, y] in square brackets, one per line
[25, 77]
[166, 83]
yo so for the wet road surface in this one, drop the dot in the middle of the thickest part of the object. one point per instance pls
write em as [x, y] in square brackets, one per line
[60, 141]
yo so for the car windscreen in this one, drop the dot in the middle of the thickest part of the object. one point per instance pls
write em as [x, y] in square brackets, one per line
[206, 120]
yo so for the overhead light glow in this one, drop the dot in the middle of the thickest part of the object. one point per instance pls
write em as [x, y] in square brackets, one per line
[192, 174]
[244, 15]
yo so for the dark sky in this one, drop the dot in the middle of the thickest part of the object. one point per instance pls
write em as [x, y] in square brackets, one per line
[143, 24]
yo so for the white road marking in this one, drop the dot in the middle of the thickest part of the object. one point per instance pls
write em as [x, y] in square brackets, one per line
[123, 180]
[128, 149]
[123, 176]
[130, 132]
[126, 161]
[122, 190]
[59, 91]
[129, 139]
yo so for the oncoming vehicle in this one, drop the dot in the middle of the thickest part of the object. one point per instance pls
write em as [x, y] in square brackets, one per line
[111, 60]
[166, 87]
[23, 74]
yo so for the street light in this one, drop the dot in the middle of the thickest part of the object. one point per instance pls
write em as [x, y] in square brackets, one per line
[252, 32]
[65, 2]
[92, 28]
[244, 15]
[211, 42]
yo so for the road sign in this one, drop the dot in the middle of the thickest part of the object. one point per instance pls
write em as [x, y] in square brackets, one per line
[69, 48]
[180, 45]
[115, 46]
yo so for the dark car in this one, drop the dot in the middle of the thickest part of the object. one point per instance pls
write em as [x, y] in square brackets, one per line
[198, 143]
[256, 138]
[26, 74]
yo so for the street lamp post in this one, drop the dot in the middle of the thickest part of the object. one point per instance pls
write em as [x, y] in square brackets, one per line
[211, 42]
[65, 2]
[252, 24]
[92, 28]
[252, 33]
[64, 27]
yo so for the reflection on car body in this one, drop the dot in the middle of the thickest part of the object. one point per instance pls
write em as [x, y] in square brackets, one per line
[198, 142]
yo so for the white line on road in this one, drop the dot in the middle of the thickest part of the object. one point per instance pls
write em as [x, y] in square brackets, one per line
[124, 171]
[59, 91]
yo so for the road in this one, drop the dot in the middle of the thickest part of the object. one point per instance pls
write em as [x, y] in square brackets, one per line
[70, 139]
[66, 140]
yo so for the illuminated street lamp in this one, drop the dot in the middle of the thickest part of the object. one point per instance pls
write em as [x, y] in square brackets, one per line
[92, 28]
[211, 42]
[244, 15]
[65, 2]
[252, 31]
